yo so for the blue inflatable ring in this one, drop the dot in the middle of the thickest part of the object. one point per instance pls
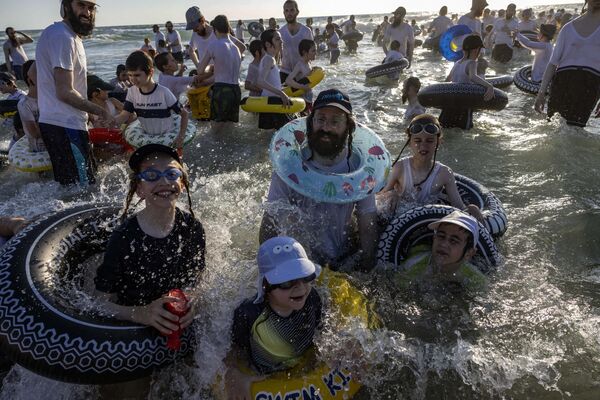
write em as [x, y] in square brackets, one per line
[289, 152]
[446, 42]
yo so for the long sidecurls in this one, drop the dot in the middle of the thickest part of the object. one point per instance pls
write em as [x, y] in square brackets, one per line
[133, 182]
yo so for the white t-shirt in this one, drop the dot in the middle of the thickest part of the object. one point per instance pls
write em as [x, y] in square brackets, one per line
[200, 44]
[412, 110]
[489, 20]
[334, 39]
[501, 37]
[227, 60]
[29, 112]
[252, 77]
[573, 49]
[176, 84]
[473, 23]
[159, 36]
[527, 26]
[403, 34]
[440, 25]
[17, 54]
[273, 77]
[153, 109]
[239, 32]
[393, 55]
[173, 37]
[543, 51]
[327, 225]
[290, 53]
[17, 95]
[459, 71]
[60, 47]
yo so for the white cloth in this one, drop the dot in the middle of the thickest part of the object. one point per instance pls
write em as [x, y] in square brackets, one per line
[403, 34]
[327, 225]
[524, 26]
[573, 49]
[459, 71]
[120, 86]
[17, 54]
[409, 190]
[159, 36]
[502, 37]
[334, 39]
[227, 60]
[252, 77]
[273, 77]
[440, 25]
[60, 47]
[153, 109]
[290, 53]
[413, 110]
[30, 112]
[473, 23]
[542, 51]
[174, 37]
[17, 95]
[200, 44]
[391, 56]
[239, 32]
[489, 20]
[176, 84]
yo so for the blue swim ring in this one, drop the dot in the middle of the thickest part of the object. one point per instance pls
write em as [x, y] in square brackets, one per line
[289, 150]
[446, 42]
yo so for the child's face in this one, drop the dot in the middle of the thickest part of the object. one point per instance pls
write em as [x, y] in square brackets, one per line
[162, 193]
[124, 76]
[139, 77]
[423, 145]
[277, 43]
[312, 53]
[7, 87]
[101, 94]
[172, 64]
[449, 244]
[292, 299]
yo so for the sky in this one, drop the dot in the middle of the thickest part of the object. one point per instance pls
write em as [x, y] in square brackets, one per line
[37, 14]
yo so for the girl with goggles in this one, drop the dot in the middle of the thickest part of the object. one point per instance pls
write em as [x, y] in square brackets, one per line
[419, 178]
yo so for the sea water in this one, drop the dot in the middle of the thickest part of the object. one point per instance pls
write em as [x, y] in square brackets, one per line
[532, 334]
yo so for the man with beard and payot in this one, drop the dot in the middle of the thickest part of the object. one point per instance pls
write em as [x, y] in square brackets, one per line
[325, 228]
[292, 33]
[403, 33]
[202, 35]
[62, 93]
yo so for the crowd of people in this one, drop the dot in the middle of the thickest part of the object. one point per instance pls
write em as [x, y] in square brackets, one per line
[64, 101]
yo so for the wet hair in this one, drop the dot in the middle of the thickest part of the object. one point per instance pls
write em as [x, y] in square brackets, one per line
[267, 37]
[305, 45]
[26, 67]
[138, 60]
[444, 10]
[255, 46]
[155, 26]
[413, 81]
[221, 24]
[8, 28]
[134, 181]
[422, 118]
[294, 2]
[350, 128]
[121, 68]
[330, 26]
[161, 61]
[472, 42]
[395, 45]
[548, 30]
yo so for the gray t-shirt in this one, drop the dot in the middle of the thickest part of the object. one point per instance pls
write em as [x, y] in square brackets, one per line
[324, 228]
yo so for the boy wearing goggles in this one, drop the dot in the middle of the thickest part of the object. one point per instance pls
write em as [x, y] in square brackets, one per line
[272, 330]
[419, 178]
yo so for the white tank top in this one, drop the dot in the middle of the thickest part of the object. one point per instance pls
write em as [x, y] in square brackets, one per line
[459, 72]
[272, 78]
[412, 193]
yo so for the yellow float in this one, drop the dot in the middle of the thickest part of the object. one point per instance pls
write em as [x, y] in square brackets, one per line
[273, 105]
[27, 161]
[200, 102]
[315, 77]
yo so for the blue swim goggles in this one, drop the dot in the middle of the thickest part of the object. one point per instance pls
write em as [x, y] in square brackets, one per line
[153, 175]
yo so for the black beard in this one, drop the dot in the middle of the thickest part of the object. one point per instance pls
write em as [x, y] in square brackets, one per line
[79, 27]
[292, 21]
[327, 149]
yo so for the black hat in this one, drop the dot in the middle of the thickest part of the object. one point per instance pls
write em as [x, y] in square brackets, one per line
[140, 154]
[472, 42]
[333, 98]
[95, 83]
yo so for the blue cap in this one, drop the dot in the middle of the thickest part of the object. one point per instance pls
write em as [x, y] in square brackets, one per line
[282, 259]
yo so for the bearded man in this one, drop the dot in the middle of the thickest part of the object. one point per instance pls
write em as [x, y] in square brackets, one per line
[292, 34]
[62, 93]
[325, 229]
[403, 33]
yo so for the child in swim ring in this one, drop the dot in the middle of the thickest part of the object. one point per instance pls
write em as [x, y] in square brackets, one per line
[156, 249]
[285, 311]
[420, 178]
[97, 93]
[410, 92]
[308, 53]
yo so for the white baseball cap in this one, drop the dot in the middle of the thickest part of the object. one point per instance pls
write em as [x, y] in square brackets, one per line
[461, 219]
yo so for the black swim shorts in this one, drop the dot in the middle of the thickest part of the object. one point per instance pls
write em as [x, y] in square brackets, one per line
[225, 101]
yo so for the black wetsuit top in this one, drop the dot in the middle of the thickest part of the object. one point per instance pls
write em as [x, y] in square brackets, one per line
[140, 268]
[257, 325]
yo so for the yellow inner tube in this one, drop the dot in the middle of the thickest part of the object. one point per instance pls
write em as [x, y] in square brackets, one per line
[315, 77]
[274, 105]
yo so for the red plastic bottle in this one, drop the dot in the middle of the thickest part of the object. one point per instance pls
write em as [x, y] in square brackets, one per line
[178, 308]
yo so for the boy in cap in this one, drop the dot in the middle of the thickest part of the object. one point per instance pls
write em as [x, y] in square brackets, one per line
[455, 241]
[272, 330]
[97, 93]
